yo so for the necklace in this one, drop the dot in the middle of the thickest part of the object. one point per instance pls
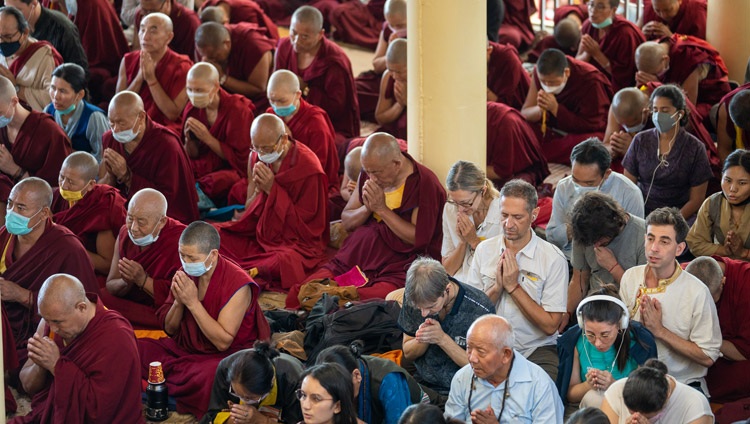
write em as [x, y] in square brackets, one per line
[506, 393]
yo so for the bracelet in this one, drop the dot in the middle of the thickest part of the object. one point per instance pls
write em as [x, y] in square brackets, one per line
[144, 282]
[19, 174]
[613, 267]
[151, 85]
[31, 299]
[514, 289]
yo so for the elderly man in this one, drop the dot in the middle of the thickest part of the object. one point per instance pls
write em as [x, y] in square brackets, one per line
[31, 143]
[184, 20]
[144, 261]
[324, 70]
[662, 18]
[727, 279]
[436, 313]
[675, 306]
[391, 109]
[156, 72]
[283, 232]
[590, 172]
[139, 153]
[35, 248]
[393, 216]
[480, 391]
[216, 130]
[212, 311]
[525, 276]
[81, 357]
[94, 212]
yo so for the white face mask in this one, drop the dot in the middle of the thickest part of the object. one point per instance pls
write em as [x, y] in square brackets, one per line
[553, 90]
[126, 136]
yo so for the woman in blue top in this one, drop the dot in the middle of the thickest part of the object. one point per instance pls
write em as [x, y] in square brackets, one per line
[83, 122]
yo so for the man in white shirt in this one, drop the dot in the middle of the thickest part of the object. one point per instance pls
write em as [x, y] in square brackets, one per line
[674, 305]
[524, 276]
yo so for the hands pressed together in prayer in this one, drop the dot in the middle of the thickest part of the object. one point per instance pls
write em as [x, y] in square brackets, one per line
[637, 418]
[651, 315]
[507, 272]
[242, 414]
[132, 272]
[599, 379]
[116, 165]
[589, 46]
[263, 177]
[399, 92]
[734, 245]
[430, 332]
[148, 68]
[467, 232]
[44, 352]
[7, 164]
[643, 78]
[197, 129]
[12, 292]
[656, 29]
[373, 196]
[547, 101]
[620, 142]
[184, 289]
[484, 416]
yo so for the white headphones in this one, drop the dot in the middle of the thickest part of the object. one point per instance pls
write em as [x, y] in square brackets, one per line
[624, 320]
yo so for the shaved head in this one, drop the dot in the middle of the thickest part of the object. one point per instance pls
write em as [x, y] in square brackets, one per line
[283, 81]
[203, 71]
[7, 90]
[83, 162]
[36, 188]
[159, 19]
[308, 15]
[126, 101]
[61, 290]
[395, 8]
[352, 163]
[568, 33]
[150, 202]
[201, 235]
[266, 129]
[649, 56]
[381, 146]
[552, 62]
[396, 53]
[628, 104]
[211, 34]
[214, 14]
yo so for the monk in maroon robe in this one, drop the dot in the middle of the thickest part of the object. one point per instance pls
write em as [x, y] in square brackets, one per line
[358, 23]
[216, 131]
[662, 18]
[246, 11]
[567, 103]
[689, 62]
[284, 231]
[139, 153]
[391, 110]
[145, 260]
[513, 150]
[579, 12]
[185, 21]
[94, 212]
[324, 69]
[733, 130]
[83, 360]
[516, 28]
[31, 253]
[566, 37]
[10, 360]
[609, 42]
[393, 216]
[507, 80]
[32, 144]
[157, 73]
[212, 311]
[368, 82]
[242, 54]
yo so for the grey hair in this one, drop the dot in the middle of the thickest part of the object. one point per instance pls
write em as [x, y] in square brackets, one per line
[708, 270]
[467, 176]
[426, 280]
[500, 328]
[523, 190]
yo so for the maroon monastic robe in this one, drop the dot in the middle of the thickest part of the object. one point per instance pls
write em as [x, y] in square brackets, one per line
[160, 260]
[743, 140]
[581, 11]
[377, 250]
[516, 28]
[513, 150]
[549, 42]
[730, 380]
[57, 251]
[583, 106]
[160, 162]
[232, 128]
[247, 11]
[10, 360]
[188, 357]
[618, 43]
[397, 127]
[687, 53]
[506, 76]
[184, 21]
[249, 44]
[284, 233]
[96, 378]
[40, 148]
[101, 209]
[280, 11]
[358, 23]
[368, 84]
[330, 84]
[171, 72]
[690, 18]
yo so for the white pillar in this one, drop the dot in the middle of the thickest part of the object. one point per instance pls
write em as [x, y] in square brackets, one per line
[729, 32]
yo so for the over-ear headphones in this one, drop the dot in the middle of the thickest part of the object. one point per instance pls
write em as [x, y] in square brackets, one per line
[624, 320]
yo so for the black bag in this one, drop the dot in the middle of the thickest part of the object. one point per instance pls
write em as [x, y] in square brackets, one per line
[374, 322]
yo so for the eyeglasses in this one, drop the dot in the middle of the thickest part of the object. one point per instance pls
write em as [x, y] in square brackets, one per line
[465, 205]
[603, 337]
[246, 401]
[266, 149]
[5, 38]
[313, 397]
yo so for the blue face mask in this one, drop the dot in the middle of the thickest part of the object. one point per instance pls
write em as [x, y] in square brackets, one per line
[126, 136]
[603, 24]
[635, 129]
[284, 111]
[195, 269]
[17, 224]
[68, 109]
[145, 240]
[663, 121]
[4, 120]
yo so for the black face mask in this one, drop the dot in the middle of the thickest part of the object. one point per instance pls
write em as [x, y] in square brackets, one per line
[9, 49]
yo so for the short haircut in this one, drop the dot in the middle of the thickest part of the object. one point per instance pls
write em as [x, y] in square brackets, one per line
[596, 216]
[646, 388]
[335, 380]
[426, 280]
[42, 188]
[422, 413]
[672, 217]
[588, 415]
[23, 24]
[309, 15]
[211, 34]
[74, 75]
[201, 234]
[708, 270]
[253, 368]
[677, 97]
[522, 190]
[589, 151]
[739, 157]
[551, 62]
[613, 4]
[567, 33]
[739, 109]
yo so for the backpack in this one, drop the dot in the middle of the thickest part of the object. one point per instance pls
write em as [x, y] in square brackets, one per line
[374, 322]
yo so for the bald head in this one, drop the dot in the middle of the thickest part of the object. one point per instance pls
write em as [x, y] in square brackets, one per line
[126, 101]
[649, 57]
[7, 90]
[159, 19]
[352, 163]
[149, 201]
[83, 162]
[628, 104]
[394, 8]
[283, 81]
[381, 147]
[568, 33]
[308, 15]
[396, 53]
[495, 328]
[266, 129]
[214, 14]
[212, 35]
[62, 290]
[35, 190]
[203, 71]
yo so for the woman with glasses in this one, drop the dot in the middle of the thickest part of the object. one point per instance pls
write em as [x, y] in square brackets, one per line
[471, 215]
[255, 386]
[602, 348]
[668, 164]
[326, 396]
